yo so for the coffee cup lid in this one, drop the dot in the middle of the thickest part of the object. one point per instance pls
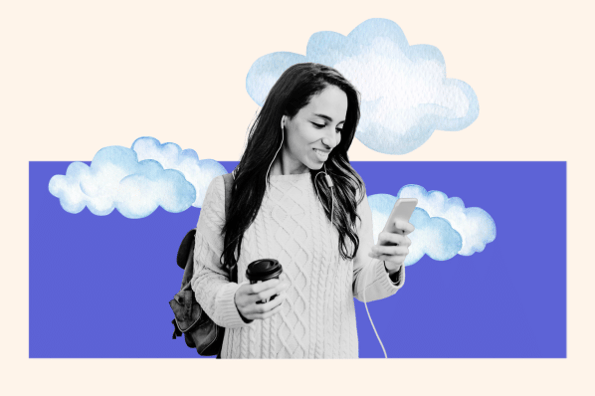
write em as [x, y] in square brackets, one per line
[264, 269]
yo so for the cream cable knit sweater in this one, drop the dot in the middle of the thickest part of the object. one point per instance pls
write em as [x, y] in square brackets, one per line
[317, 319]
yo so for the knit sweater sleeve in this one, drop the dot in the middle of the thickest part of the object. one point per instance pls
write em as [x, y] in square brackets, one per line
[210, 282]
[378, 284]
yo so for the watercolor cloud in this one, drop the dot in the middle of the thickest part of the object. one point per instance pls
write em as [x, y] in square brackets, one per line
[405, 95]
[443, 226]
[198, 172]
[136, 181]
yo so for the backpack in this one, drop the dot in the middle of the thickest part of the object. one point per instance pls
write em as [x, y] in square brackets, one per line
[190, 319]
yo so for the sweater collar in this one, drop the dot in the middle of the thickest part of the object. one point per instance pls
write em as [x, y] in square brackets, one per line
[290, 177]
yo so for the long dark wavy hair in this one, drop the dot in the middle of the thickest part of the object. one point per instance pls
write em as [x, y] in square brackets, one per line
[292, 91]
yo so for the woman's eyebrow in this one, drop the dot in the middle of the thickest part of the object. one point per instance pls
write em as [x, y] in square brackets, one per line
[329, 119]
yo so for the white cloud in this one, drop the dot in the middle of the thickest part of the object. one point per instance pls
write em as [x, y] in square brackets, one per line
[432, 236]
[405, 95]
[476, 226]
[136, 181]
[198, 172]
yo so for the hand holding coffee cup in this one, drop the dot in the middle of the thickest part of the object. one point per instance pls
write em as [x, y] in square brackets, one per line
[262, 271]
[264, 296]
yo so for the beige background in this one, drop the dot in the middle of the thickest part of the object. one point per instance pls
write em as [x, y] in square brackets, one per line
[80, 75]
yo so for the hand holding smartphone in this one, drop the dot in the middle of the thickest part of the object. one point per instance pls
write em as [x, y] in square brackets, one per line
[402, 210]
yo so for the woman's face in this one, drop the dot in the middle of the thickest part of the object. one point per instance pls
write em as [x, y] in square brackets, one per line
[314, 131]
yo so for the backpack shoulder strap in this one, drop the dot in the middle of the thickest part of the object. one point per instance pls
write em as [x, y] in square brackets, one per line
[227, 178]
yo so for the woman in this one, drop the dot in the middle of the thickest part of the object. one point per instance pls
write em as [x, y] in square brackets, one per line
[282, 206]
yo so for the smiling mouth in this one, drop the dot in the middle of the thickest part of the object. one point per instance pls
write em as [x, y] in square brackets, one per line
[322, 154]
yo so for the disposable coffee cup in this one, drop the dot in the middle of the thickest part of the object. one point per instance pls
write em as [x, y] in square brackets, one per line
[263, 270]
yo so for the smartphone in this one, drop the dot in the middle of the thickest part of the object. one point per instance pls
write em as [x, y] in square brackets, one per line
[402, 210]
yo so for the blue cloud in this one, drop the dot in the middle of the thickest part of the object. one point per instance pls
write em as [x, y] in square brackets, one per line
[443, 226]
[476, 226]
[405, 95]
[135, 181]
[433, 236]
[171, 156]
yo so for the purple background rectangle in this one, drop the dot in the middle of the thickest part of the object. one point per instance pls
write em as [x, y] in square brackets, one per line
[100, 285]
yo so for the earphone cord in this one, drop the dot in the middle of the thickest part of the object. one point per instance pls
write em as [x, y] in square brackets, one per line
[331, 185]
[281, 145]
[369, 317]
[329, 182]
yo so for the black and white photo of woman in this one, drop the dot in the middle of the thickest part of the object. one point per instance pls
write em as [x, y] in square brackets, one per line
[295, 198]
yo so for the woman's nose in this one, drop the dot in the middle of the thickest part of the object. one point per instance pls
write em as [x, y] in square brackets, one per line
[330, 140]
